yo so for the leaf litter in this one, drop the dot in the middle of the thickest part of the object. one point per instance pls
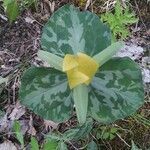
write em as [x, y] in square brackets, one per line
[18, 47]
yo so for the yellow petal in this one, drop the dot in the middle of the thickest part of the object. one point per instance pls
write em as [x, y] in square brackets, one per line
[69, 62]
[87, 66]
[80, 69]
[75, 78]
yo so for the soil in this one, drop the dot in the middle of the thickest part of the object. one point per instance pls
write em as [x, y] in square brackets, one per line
[19, 43]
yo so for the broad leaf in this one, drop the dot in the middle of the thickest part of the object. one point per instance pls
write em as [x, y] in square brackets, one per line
[46, 92]
[54, 136]
[50, 145]
[78, 132]
[62, 146]
[70, 31]
[34, 144]
[80, 96]
[116, 90]
[92, 146]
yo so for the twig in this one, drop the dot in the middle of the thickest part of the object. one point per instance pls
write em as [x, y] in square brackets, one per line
[3, 17]
[72, 145]
[87, 4]
[123, 140]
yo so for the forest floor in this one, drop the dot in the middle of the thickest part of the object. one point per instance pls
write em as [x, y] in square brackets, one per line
[19, 43]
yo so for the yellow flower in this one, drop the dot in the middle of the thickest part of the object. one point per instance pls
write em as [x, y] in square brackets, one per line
[80, 69]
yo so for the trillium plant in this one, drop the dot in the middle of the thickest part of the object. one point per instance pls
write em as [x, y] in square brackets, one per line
[83, 74]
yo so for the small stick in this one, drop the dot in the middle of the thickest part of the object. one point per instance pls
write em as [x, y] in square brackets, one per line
[3, 17]
[123, 140]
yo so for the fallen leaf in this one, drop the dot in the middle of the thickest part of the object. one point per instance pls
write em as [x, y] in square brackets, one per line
[5, 124]
[49, 124]
[31, 130]
[17, 112]
[7, 145]
[29, 20]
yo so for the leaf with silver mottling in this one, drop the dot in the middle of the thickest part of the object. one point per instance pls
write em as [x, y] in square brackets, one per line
[70, 31]
[46, 92]
[116, 91]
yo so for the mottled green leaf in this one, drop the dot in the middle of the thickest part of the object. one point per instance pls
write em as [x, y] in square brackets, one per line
[80, 96]
[54, 136]
[92, 146]
[116, 91]
[70, 134]
[62, 146]
[78, 132]
[46, 92]
[70, 31]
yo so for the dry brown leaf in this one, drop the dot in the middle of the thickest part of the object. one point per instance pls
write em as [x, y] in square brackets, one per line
[52, 124]
[29, 20]
[52, 6]
[31, 130]
[7, 145]
[5, 124]
[87, 4]
[17, 112]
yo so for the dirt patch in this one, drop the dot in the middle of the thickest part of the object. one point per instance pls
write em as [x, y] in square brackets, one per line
[19, 44]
